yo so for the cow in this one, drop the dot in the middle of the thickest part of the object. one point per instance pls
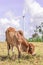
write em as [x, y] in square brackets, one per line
[16, 38]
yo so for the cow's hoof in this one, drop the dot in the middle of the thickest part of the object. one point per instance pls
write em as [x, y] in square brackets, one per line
[13, 57]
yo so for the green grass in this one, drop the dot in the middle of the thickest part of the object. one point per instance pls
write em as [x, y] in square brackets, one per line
[25, 58]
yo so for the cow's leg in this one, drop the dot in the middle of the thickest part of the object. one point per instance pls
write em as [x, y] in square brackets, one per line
[19, 54]
[19, 51]
[13, 50]
[8, 47]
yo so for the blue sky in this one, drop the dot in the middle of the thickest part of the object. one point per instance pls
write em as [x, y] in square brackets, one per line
[16, 6]
[12, 12]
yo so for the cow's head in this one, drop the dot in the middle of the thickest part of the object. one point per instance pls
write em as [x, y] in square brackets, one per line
[31, 49]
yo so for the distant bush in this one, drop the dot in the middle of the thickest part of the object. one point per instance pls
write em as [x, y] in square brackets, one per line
[36, 39]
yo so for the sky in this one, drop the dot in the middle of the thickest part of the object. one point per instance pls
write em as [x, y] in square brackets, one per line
[12, 12]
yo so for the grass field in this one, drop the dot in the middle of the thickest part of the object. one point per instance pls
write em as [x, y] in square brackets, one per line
[25, 58]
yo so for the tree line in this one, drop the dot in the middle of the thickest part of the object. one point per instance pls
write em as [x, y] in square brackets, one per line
[38, 34]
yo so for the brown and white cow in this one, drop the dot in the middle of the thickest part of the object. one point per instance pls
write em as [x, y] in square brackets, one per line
[16, 38]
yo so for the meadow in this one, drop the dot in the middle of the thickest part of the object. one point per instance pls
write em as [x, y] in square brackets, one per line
[25, 59]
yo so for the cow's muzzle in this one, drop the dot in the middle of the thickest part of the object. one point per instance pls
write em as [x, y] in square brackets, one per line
[34, 53]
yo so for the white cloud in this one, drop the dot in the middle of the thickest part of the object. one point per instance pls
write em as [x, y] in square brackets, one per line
[25, 9]
[35, 11]
[13, 22]
[26, 34]
[4, 21]
[31, 28]
[0, 32]
[9, 14]
[31, 19]
[33, 7]
[8, 21]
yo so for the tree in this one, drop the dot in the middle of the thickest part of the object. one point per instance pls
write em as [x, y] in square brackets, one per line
[40, 29]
